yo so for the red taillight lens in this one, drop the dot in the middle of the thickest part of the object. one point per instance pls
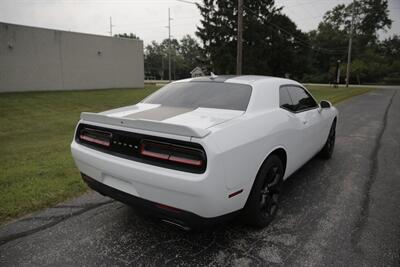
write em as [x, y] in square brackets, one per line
[172, 153]
[157, 155]
[194, 162]
[96, 136]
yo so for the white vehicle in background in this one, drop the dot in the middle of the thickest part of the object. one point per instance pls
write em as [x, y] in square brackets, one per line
[203, 149]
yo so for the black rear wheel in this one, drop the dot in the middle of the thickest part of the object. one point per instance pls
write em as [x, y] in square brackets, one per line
[262, 205]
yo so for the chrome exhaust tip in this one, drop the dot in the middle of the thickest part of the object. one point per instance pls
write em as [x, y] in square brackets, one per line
[176, 224]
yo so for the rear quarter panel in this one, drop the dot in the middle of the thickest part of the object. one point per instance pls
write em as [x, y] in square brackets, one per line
[244, 144]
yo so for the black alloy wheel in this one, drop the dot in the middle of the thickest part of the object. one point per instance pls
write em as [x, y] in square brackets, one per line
[262, 205]
[270, 191]
[329, 146]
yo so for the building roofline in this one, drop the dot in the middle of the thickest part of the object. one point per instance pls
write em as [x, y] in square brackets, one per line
[83, 33]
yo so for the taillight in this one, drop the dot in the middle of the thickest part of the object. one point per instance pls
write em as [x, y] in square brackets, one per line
[172, 153]
[95, 136]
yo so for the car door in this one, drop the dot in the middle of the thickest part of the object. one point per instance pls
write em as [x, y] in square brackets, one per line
[306, 110]
[292, 136]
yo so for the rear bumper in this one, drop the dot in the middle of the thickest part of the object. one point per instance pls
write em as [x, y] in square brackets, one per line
[204, 195]
[180, 218]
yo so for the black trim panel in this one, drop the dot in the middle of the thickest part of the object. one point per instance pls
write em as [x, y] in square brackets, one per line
[185, 219]
[127, 145]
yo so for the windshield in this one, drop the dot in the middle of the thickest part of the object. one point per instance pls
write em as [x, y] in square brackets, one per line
[202, 94]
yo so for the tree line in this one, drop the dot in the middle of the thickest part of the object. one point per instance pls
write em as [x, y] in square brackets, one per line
[274, 45]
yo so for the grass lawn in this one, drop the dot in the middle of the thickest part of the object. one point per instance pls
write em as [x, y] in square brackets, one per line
[335, 95]
[36, 128]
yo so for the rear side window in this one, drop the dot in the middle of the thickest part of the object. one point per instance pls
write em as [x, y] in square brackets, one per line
[203, 94]
[284, 98]
[300, 99]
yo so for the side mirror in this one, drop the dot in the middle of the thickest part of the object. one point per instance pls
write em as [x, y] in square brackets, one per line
[325, 104]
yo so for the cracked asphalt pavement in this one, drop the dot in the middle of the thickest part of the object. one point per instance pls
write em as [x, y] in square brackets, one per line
[345, 211]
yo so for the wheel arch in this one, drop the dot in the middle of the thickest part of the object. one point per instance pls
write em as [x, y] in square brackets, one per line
[279, 151]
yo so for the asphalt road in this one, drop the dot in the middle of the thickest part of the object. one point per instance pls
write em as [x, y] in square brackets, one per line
[345, 211]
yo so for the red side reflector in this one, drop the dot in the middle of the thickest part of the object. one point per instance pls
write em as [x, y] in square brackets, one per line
[235, 193]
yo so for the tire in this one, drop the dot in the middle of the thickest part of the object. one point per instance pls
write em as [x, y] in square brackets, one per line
[262, 205]
[327, 151]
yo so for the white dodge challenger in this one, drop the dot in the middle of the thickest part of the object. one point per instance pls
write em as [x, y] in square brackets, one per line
[201, 150]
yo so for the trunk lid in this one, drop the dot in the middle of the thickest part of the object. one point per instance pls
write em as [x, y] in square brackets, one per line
[154, 117]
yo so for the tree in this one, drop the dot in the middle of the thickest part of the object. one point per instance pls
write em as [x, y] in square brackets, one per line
[390, 49]
[272, 43]
[185, 55]
[154, 57]
[191, 53]
[125, 35]
[370, 17]
[218, 34]
[330, 40]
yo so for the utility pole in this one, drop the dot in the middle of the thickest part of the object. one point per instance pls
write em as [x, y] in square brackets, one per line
[338, 72]
[111, 26]
[169, 45]
[162, 64]
[239, 38]
[350, 43]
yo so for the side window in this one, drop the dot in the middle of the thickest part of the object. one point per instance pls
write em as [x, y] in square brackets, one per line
[301, 99]
[284, 99]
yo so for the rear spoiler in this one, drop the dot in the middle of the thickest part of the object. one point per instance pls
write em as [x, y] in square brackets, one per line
[148, 125]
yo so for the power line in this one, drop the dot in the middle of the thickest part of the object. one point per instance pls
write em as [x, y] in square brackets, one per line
[290, 34]
[295, 38]
[304, 43]
[188, 2]
[315, 2]
[287, 32]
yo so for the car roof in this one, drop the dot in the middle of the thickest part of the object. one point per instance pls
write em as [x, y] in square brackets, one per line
[265, 93]
[242, 79]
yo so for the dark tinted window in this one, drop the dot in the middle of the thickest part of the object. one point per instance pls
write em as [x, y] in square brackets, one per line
[301, 99]
[284, 98]
[203, 94]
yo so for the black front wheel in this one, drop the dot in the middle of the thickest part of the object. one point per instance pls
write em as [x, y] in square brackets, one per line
[262, 205]
[327, 150]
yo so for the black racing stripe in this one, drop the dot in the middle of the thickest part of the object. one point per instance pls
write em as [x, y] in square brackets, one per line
[159, 114]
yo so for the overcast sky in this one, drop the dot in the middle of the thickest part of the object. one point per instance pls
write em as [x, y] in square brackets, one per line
[148, 19]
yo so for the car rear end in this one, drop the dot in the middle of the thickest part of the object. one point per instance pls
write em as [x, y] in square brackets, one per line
[170, 169]
[169, 178]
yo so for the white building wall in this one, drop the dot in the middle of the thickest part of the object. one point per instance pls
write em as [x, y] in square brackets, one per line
[42, 59]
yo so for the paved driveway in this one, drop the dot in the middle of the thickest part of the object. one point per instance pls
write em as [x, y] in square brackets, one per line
[345, 211]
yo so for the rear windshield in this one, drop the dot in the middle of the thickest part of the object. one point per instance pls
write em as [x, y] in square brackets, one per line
[202, 94]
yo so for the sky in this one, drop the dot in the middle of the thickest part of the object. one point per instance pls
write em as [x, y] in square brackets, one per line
[148, 19]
